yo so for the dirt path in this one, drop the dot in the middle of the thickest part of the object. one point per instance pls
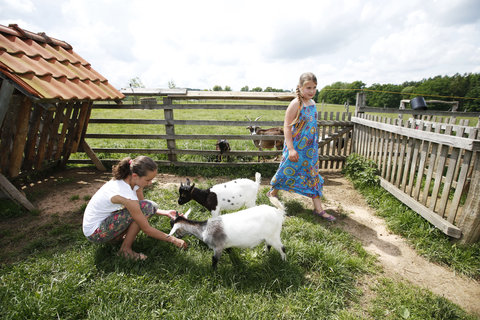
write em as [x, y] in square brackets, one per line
[398, 259]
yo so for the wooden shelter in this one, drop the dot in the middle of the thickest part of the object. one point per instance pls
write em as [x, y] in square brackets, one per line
[46, 96]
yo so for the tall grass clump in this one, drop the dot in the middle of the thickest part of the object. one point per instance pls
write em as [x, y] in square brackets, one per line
[400, 219]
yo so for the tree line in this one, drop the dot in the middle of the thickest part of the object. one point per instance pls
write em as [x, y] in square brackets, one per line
[462, 88]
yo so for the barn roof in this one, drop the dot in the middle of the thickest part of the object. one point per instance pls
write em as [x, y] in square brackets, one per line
[48, 68]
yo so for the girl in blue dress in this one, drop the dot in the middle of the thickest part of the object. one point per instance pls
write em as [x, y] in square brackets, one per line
[298, 170]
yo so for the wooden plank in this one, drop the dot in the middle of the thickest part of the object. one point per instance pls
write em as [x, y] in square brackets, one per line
[408, 162]
[469, 221]
[54, 135]
[443, 225]
[80, 124]
[7, 135]
[44, 136]
[419, 112]
[442, 158]
[401, 157]
[65, 124]
[6, 92]
[32, 137]
[459, 189]
[20, 139]
[452, 141]
[9, 189]
[431, 167]
[234, 95]
[98, 164]
[192, 106]
[421, 167]
[452, 162]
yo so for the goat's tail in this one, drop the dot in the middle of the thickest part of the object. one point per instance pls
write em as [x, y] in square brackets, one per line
[258, 178]
[277, 203]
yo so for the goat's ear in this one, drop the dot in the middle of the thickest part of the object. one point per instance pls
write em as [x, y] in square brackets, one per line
[188, 182]
[187, 213]
[192, 186]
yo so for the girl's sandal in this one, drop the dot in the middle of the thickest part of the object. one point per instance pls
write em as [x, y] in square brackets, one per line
[269, 194]
[324, 215]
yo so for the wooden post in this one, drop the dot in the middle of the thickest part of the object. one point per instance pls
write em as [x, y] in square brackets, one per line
[20, 137]
[469, 221]
[86, 148]
[170, 129]
[360, 103]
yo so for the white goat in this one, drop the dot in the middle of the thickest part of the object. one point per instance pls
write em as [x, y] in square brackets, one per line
[241, 229]
[231, 195]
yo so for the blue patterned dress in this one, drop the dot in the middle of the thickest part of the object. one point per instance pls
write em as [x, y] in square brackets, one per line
[301, 177]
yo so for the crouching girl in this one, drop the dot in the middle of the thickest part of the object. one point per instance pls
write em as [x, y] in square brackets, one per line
[118, 210]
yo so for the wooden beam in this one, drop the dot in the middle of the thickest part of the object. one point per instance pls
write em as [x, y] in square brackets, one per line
[5, 94]
[442, 224]
[20, 137]
[9, 189]
[452, 141]
[86, 148]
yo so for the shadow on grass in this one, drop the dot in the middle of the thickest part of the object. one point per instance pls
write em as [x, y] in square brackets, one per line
[248, 270]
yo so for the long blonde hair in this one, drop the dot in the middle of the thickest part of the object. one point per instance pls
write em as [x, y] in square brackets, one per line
[305, 77]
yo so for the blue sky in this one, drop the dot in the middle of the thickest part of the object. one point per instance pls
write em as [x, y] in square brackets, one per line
[200, 44]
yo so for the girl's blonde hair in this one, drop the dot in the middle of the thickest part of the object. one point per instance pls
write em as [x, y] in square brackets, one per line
[305, 77]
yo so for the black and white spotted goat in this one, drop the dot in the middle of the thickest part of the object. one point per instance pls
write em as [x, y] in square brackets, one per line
[242, 229]
[232, 195]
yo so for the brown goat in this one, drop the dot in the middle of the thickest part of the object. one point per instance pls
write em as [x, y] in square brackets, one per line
[267, 144]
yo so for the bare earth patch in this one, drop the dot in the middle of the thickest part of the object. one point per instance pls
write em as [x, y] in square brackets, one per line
[398, 259]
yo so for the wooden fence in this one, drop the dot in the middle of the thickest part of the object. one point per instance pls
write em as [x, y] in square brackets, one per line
[431, 166]
[334, 129]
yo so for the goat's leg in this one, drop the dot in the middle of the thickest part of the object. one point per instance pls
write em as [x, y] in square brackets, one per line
[277, 245]
[217, 253]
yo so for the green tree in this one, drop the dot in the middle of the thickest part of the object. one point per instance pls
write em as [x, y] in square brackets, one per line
[217, 88]
[257, 89]
[171, 84]
[245, 88]
[227, 88]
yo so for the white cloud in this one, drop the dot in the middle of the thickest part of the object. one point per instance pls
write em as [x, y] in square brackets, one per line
[199, 44]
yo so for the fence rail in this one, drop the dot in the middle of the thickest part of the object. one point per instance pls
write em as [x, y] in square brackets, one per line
[334, 131]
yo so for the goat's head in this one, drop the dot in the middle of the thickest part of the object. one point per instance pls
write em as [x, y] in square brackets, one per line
[177, 224]
[253, 129]
[185, 192]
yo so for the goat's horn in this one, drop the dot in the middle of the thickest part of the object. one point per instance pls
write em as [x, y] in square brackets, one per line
[248, 118]
[188, 182]
[258, 118]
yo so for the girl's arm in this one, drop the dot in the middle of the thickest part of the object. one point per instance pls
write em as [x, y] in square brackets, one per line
[134, 208]
[290, 116]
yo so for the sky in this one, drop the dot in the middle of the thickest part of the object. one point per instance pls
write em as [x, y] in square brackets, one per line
[203, 43]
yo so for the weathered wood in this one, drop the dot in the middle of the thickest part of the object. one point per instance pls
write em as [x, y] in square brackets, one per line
[84, 110]
[6, 92]
[445, 226]
[20, 139]
[91, 154]
[6, 135]
[9, 189]
[63, 134]
[32, 137]
[453, 141]
[421, 166]
[469, 221]
[442, 159]
[170, 129]
[44, 135]
[54, 136]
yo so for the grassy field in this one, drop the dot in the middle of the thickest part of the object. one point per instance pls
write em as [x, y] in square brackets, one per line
[327, 275]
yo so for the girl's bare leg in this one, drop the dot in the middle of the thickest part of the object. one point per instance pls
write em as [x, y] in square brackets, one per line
[317, 205]
[126, 247]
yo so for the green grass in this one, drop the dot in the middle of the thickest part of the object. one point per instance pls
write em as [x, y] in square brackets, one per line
[90, 281]
[319, 280]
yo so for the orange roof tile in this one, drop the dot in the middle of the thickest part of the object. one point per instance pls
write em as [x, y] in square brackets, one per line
[49, 68]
